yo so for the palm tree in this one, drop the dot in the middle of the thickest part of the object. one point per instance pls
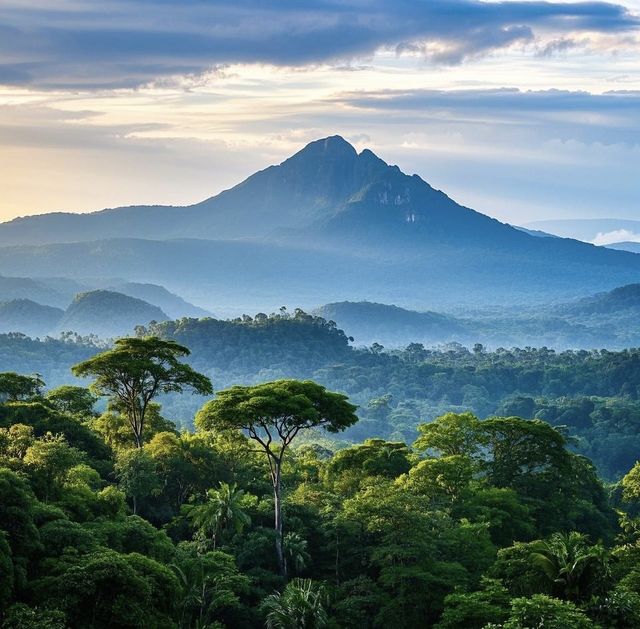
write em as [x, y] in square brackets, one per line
[572, 565]
[295, 551]
[222, 512]
[299, 605]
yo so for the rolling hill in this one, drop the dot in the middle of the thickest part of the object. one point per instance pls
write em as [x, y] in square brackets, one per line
[39, 291]
[390, 325]
[171, 304]
[28, 317]
[107, 314]
[633, 247]
[617, 301]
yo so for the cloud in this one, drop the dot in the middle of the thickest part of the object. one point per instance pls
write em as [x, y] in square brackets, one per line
[619, 235]
[90, 44]
[608, 118]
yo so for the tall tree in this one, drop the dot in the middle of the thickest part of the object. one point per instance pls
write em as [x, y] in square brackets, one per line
[272, 414]
[135, 371]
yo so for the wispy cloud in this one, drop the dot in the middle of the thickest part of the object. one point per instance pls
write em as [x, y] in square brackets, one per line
[90, 44]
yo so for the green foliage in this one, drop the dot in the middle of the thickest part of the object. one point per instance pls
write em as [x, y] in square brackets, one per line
[575, 569]
[21, 616]
[547, 612]
[221, 513]
[108, 589]
[49, 461]
[14, 386]
[136, 474]
[474, 610]
[72, 399]
[595, 394]
[484, 523]
[6, 572]
[300, 604]
[44, 419]
[138, 369]
[212, 587]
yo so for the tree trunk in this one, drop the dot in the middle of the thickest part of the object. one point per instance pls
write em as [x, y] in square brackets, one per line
[278, 520]
[134, 500]
[136, 428]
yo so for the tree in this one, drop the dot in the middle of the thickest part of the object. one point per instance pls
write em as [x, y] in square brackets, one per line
[21, 616]
[296, 551]
[50, 458]
[543, 611]
[211, 587]
[136, 474]
[72, 399]
[104, 589]
[574, 568]
[451, 435]
[15, 441]
[300, 604]
[474, 610]
[221, 512]
[631, 484]
[14, 386]
[135, 371]
[116, 431]
[273, 414]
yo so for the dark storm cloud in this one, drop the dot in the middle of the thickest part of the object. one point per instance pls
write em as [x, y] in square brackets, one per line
[91, 43]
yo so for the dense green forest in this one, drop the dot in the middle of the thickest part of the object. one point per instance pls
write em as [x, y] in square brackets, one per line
[592, 395]
[117, 519]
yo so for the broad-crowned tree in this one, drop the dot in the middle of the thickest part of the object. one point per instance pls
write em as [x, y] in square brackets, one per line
[72, 399]
[138, 369]
[272, 414]
[15, 386]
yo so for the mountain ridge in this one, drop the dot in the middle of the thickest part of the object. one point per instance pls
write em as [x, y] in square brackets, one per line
[326, 184]
[327, 224]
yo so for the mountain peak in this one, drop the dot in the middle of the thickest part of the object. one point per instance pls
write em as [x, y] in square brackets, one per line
[332, 147]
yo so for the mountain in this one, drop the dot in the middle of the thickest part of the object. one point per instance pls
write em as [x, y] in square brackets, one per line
[107, 314]
[26, 288]
[633, 247]
[28, 317]
[173, 305]
[390, 325]
[536, 232]
[620, 299]
[325, 191]
[328, 224]
[587, 229]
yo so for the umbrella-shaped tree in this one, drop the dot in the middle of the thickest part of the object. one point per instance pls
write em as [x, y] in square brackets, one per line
[272, 414]
[135, 371]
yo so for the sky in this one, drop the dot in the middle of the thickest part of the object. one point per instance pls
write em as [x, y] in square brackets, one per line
[524, 110]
